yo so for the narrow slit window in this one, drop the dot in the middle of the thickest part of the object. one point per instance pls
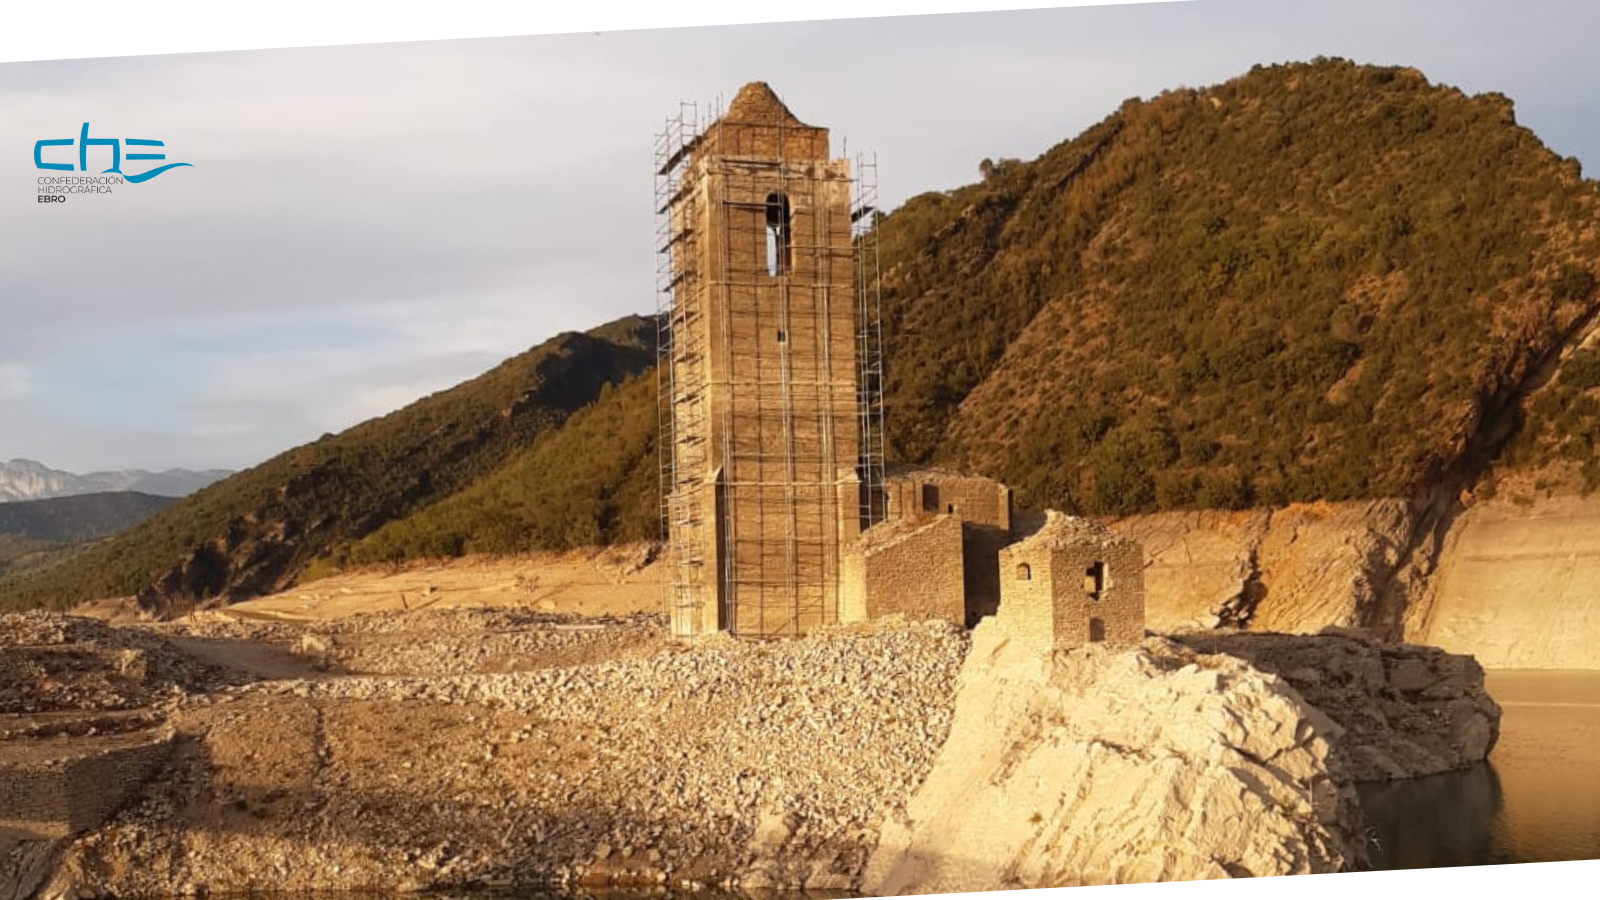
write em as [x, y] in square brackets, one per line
[1094, 581]
[780, 249]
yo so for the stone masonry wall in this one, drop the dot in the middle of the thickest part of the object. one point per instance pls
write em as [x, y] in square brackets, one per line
[1054, 600]
[56, 797]
[977, 500]
[1118, 608]
[908, 568]
[1025, 613]
[765, 375]
[984, 506]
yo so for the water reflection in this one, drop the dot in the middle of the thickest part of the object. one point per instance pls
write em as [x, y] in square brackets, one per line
[1535, 800]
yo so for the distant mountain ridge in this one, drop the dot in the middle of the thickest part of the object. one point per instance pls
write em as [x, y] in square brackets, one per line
[26, 479]
[80, 517]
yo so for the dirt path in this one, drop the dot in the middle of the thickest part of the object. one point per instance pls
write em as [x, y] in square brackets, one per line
[263, 661]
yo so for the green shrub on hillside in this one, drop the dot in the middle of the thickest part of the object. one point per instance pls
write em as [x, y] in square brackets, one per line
[1313, 274]
[591, 482]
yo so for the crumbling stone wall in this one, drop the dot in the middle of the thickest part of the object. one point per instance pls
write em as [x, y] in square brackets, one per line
[1072, 583]
[912, 568]
[47, 794]
[924, 492]
[984, 507]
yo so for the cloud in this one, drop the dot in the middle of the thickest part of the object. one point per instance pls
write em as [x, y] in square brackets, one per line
[13, 381]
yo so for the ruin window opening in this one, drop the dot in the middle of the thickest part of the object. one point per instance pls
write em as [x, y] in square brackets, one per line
[1094, 581]
[780, 245]
[781, 336]
[1097, 630]
[930, 498]
[1024, 572]
[951, 509]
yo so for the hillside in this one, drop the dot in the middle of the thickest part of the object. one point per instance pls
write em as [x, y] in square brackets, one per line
[591, 482]
[81, 517]
[1316, 281]
[254, 532]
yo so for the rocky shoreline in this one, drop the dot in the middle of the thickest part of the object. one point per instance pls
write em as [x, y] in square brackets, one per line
[830, 763]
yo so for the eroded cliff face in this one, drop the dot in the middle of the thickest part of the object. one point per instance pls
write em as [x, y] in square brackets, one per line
[1515, 584]
[1297, 569]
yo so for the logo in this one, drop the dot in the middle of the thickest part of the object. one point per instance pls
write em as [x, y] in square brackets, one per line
[55, 186]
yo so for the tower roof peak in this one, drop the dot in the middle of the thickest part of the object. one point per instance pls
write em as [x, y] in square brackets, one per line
[757, 104]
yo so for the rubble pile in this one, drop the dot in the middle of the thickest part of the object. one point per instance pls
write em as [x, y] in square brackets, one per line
[52, 663]
[771, 763]
[459, 641]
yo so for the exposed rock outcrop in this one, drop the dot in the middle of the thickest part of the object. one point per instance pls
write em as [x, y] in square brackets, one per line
[1406, 711]
[1113, 767]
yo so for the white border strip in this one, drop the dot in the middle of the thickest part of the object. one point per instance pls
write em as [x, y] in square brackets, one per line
[40, 30]
[1500, 881]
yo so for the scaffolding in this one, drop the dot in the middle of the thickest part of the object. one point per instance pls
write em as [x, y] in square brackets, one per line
[769, 372]
[680, 388]
[869, 352]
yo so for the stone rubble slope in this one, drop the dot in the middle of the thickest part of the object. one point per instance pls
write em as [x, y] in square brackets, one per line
[1103, 767]
[52, 663]
[459, 641]
[775, 763]
[883, 758]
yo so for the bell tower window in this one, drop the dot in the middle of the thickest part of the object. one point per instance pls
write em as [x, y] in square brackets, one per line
[780, 248]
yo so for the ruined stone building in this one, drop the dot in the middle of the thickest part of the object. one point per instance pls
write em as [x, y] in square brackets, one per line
[49, 791]
[780, 516]
[1072, 582]
[941, 539]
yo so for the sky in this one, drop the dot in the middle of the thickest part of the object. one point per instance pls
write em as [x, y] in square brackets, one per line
[364, 225]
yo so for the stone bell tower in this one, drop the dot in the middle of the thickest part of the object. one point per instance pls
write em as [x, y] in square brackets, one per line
[768, 371]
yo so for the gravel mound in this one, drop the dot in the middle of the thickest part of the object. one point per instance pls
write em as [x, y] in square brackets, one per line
[56, 663]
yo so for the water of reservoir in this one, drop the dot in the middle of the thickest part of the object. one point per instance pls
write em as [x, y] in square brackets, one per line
[1537, 799]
